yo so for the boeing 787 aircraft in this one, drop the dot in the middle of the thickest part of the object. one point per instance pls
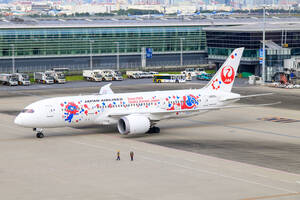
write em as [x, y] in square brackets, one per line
[134, 113]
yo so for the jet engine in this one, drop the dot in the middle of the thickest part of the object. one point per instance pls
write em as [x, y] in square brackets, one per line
[133, 124]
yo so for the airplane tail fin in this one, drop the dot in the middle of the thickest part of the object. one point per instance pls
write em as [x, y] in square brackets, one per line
[225, 76]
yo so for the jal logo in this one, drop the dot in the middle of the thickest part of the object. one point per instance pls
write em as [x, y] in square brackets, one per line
[227, 75]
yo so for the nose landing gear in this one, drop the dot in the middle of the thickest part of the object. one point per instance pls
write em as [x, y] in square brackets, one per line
[39, 132]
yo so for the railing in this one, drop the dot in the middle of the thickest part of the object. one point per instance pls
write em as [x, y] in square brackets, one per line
[217, 57]
[102, 54]
[160, 64]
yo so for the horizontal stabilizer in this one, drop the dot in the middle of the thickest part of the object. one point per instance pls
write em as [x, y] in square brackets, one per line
[248, 96]
[247, 106]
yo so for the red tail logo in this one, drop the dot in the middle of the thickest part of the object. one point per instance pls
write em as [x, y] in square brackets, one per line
[227, 74]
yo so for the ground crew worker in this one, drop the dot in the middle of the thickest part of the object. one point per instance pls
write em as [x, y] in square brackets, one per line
[118, 155]
[131, 155]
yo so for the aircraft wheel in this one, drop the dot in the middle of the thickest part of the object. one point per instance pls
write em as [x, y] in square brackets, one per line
[39, 135]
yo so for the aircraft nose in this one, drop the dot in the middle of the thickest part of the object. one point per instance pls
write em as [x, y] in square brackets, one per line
[19, 121]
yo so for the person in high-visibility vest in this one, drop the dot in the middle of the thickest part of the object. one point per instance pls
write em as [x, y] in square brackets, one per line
[118, 155]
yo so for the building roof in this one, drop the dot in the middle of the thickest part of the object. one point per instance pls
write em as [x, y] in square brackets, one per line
[288, 25]
[228, 24]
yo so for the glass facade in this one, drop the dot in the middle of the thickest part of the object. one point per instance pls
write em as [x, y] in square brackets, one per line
[223, 42]
[275, 61]
[37, 42]
[284, 44]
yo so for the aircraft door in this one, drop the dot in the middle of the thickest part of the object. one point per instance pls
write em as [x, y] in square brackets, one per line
[164, 103]
[212, 100]
[50, 111]
[205, 101]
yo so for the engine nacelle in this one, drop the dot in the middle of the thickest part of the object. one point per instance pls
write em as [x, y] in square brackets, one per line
[133, 124]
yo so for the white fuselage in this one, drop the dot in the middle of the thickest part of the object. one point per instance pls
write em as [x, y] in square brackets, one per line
[79, 111]
[134, 113]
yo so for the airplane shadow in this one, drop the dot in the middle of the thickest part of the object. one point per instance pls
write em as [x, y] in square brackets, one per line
[72, 132]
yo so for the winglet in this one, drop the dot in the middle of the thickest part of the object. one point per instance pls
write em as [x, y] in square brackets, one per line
[106, 89]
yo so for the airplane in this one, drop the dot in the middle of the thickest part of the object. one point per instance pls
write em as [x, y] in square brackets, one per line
[224, 13]
[179, 13]
[147, 16]
[134, 113]
[209, 14]
[54, 12]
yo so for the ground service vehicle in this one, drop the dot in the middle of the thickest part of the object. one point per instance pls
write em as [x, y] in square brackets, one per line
[146, 75]
[188, 77]
[43, 77]
[9, 79]
[200, 71]
[189, 72]
[152, 73]
[133, 74]
[193, 72]
[117, 76]
[169, 78]
[110, 75]
[23, 79]
[106, 74]
[204, 77]
[58, 77]
[92, 75]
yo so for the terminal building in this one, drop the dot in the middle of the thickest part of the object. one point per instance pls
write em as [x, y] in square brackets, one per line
[46, 43]
[282, 42]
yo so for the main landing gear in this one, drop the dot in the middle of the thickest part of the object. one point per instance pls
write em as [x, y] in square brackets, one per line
[39, 132]
[154, 129]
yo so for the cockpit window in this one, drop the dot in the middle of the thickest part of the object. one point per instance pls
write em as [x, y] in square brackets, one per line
[28, 111]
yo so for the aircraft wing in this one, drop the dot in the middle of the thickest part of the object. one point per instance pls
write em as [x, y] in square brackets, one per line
[160, 112]
[217, 108]
[106, 89]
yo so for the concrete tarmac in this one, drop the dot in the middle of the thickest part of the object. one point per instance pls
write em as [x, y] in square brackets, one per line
[227, 154]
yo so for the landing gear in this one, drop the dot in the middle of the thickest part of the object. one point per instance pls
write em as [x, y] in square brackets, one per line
[39, 132]
[39, 135]
[154, 129]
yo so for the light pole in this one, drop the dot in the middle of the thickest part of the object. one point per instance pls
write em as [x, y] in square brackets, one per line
[289, 8]
[91, 54]
[118, 56]
[143, 57]
[264, 47]
[13, 57]
[181, 52]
